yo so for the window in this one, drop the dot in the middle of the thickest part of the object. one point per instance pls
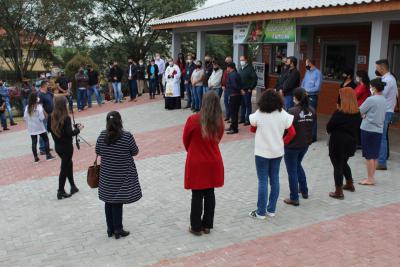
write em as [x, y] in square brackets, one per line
[336, 58]
[278, 52]
[394, 58]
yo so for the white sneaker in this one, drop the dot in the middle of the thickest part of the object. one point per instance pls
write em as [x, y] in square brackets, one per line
[271, 214]
[254, 215]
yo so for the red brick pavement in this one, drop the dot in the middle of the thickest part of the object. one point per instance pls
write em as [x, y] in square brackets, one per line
[109, 106]
[369, 238]
[151, 144]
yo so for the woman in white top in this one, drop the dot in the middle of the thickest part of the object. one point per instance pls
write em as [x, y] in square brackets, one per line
[271, 121]
[214, 82]
[197, 80]
[34, 116]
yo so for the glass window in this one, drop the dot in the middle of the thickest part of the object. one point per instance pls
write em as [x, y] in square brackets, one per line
[277, 54]
[395, 60]
[336, 58]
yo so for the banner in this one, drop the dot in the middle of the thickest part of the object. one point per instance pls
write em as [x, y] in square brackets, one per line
[273, 31]
[259, 67]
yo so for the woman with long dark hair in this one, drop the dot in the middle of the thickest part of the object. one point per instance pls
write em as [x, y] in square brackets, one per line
[34, 117]
[204, 169]
[304, 119]
[119, 181]
[60, 126]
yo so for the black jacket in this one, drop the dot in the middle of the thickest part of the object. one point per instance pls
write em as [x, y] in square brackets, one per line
[343, 129]
[116, 72]
[155, 71]
[133, 71]
[291, 82]
[234, 84]
[303, 123]
[141, 70]
[281, 79]
[65, 140]
[249, 77]
[93, 78]
[208, 69]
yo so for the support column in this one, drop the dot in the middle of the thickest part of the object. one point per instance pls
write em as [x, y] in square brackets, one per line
[238, 50]
[379, 44]
[201, 45]
[293, 48]
[176, 45]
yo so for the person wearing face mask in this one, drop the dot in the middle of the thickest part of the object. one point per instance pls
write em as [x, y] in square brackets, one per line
[282, 76]
[362, 88]
[161, 69]
[312, 84]
[348, 79]
[390, 93]
[224, 83]
[5, 93]
[116, 74]
[291, 82]
[208, 69]
[64, 86]
[190, 67]
[373, 111]
[132, 79]
[214, 82]
[249, 80]
[152, 72]
[197, 80]
[141, 70]
[81, 85]
[172, 88]
[181, 64]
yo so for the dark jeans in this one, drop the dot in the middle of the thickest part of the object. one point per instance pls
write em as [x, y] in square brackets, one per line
[226, 104]
[182, 87]
[66, 169]
[296, 174]
[152, 87]
[160, 86]
[190, 102]
[314, 104]
[133, 90]
[42, 145]
[113, 216]
[234, 105]
[341, 168]
[35, 141]
[198, 196]
[245, 106]
[3, 120]
[81, 95]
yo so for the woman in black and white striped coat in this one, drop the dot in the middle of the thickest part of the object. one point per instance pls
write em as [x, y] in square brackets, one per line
[119, 182]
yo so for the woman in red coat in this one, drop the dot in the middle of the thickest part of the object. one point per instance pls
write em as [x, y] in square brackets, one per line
[204, 168]
[362, 89]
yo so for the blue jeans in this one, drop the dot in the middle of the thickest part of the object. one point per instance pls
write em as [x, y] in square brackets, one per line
[314, 103]
[383, 151]
[245, 107]
[3, 120]
[288, 101]
[218, 91]
[42, 143]
[226, 104]
[267, 168]
[93, 89]
[205, 89]
[188, 90]
[81, 95]
[296, 174]
[198, 92]
[24, 101]
[152, 86]
[193, 96]
[133, 90]
[117, 91]
[8, 108]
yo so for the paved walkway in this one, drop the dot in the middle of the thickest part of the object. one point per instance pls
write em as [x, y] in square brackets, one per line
[38, 230]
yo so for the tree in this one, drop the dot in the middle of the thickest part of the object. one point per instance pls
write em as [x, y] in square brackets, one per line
[78, 61]
[125, 23]
[29, 27]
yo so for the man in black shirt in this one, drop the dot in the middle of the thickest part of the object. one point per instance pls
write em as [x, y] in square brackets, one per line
[46, 99]
[64, 85]
[93, 87]
[291, 82]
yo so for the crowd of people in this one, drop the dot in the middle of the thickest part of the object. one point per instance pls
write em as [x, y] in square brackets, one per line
[285, 125]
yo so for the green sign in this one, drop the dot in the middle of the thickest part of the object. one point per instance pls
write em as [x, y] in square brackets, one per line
[273, 31]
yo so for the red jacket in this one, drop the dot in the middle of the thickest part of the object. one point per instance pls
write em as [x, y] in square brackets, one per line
[204, 167]
[362, 93]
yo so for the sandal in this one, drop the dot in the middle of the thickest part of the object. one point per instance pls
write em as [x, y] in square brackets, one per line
[364, 182]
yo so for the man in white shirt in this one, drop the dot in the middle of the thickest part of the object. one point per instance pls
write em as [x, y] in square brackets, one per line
[390, 93]
[161, 69]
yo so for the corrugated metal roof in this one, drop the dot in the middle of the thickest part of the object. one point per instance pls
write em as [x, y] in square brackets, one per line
[248, 7]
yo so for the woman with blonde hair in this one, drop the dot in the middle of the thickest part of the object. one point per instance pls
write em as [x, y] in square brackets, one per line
[62, 131]
[204, 168]
[343, 130]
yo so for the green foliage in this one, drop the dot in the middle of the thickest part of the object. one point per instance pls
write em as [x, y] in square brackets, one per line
[78, 61]
[219, 46]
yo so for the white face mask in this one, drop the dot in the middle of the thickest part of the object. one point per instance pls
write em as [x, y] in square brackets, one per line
[372, 90]
[171, 64]
[243, 63]
[358, 79]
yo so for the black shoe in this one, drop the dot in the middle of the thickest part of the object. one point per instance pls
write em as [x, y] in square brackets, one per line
[196, 233]
[110, 233]
[61, 195]
[6, 129]
[121, 233]
[12, 123]
[246, 123]
[305, 196]
[186, 107]
[50, 157]
[232, 132]
[74, 190]
[36, 160]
